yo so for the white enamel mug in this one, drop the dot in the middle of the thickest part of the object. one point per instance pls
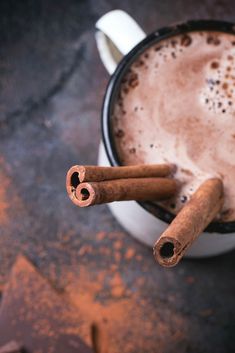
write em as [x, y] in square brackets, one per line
[119, 38]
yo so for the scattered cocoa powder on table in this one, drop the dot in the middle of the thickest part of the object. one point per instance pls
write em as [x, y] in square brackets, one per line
[33, 313]
[4, 202]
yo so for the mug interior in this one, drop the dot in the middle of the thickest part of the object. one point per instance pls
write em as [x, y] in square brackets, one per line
[114, 84]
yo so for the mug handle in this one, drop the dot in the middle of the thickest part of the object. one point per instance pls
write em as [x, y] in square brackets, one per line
[117, 33]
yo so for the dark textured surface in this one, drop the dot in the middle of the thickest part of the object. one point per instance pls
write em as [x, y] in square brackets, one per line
[52, 85]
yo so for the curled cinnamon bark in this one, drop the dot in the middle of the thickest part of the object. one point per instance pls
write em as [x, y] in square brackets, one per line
[139, 189]
[80, 173]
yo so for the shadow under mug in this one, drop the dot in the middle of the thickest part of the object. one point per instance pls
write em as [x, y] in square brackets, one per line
[218, 237]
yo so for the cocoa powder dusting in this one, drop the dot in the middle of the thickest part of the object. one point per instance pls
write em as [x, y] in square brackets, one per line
[4, 203]
[30, 304]
[123, 314]
[8, 194]
[117, 286]
[121, 308]
[105, 295]
[129, 253]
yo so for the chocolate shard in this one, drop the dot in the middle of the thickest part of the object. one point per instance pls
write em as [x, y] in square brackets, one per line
[34, 313]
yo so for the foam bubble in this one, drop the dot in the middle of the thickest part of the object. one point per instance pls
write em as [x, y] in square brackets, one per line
[218, 94]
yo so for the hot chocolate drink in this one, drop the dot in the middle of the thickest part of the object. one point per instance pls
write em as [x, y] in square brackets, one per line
[176, 104]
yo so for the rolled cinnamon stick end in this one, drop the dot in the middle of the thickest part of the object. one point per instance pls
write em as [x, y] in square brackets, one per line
[194, 217]
[139, 189]
[81, 173]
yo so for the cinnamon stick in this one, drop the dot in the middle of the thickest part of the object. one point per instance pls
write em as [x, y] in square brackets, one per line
[194, 217]
[139, 189]
[81, 173]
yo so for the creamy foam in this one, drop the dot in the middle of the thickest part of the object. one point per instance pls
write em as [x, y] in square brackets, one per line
[177, 104]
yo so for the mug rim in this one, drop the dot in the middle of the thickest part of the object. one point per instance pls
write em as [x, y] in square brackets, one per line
[108, 141]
